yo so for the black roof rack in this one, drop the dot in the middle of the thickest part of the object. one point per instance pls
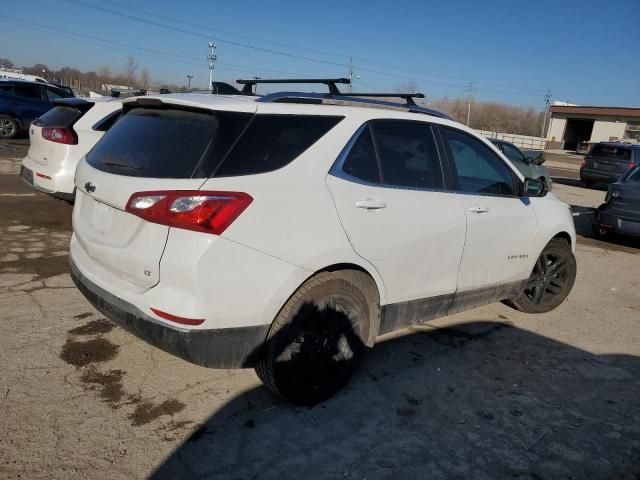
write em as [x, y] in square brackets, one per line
[408, 97]
[335, 96]
[328, 99]
[247, 89]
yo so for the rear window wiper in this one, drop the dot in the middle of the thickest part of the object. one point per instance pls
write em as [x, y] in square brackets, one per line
[113, 163]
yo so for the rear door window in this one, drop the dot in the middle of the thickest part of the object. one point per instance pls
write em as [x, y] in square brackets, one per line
[408, 154]
[59, 117]
[611, 152]
[361, 162]
[273, 141]
[28, 91]
[167, 143]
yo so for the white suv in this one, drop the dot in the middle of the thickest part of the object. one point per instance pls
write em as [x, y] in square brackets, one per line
[61, 137]
[288, 232]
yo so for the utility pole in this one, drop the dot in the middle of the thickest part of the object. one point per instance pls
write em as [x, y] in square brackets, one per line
[350, 74]
[189, 77]
[470, 89]
[212, 57]
[547, 102]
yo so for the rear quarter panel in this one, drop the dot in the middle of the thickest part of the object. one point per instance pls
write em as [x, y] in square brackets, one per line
[292, 216]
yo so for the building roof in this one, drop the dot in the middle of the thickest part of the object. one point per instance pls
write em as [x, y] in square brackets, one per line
[590, 110]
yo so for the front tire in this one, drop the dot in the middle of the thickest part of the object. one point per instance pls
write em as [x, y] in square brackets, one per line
[319, 337]
[550, 282]
[9, 127]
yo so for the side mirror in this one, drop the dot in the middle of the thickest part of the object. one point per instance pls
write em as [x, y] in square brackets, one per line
[533, 188]
[536, 159]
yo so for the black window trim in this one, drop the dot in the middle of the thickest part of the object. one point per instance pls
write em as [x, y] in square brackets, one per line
[337, 171]
[254, 117]
[99, 124]
[517, 183]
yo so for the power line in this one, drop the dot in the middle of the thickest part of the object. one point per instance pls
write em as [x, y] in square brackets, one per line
[532, 92]
[207, 37]
[106, 43]
[275, 52]
[226, 32]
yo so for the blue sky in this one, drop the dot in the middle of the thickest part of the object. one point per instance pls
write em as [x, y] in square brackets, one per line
[586, 52]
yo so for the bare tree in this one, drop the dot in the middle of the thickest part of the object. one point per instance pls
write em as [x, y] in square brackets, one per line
[494, 116]
[6, 63]
[145, 79]
[104, 76]
[406, 87]
[130, 71]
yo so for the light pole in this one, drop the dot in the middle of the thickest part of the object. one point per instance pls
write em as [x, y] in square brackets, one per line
[212, 57]
[189, 77]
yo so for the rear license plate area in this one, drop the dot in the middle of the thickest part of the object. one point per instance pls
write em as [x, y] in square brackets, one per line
[101, 217]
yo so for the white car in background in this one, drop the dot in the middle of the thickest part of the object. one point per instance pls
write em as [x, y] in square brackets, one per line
[60, 138]
[287, 232]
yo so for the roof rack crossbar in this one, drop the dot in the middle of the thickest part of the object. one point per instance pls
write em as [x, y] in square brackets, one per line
[408, 97]
[248, 85]
[340, 99]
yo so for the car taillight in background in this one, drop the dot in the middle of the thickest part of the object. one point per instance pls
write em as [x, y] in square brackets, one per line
[59, 135]
[632, 164]
[202, 211]
[584, 162]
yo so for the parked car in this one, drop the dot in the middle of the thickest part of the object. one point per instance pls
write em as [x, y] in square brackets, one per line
[21, 102]
[287, 232]
[621, 211]
[60, 137]
[530, 166]
[607, 161]
[584, 148]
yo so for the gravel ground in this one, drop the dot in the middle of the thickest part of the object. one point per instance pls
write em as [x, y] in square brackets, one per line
[490, 393]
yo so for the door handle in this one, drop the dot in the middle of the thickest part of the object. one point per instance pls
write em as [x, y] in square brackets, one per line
[369, 204]
[478, 209]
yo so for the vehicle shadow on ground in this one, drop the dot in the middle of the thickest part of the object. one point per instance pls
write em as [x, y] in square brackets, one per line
[476, 400]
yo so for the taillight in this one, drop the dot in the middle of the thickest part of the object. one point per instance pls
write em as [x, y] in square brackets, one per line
[632, 164]
[202, 211]
[59, 135]
[584, 162]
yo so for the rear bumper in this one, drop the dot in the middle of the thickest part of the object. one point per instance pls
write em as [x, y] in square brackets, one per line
[29, 177]
[214, 348]
[622, 222]
[590, 175]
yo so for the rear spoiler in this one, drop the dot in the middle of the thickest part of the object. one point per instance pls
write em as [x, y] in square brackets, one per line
[78, 103]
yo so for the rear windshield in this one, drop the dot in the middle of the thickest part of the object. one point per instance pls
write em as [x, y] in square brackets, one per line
[171, 143]
[59, 117]
[611, 152]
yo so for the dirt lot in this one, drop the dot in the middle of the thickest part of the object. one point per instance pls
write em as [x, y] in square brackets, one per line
[486, 394]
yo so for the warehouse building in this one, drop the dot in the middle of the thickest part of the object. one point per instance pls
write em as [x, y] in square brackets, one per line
[572, 124]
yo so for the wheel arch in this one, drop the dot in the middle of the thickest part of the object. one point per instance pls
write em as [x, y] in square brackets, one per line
[376, 282]
[563, 236]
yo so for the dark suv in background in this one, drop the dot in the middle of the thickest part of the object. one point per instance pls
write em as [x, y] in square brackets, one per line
[22, 102]
[608, 161]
